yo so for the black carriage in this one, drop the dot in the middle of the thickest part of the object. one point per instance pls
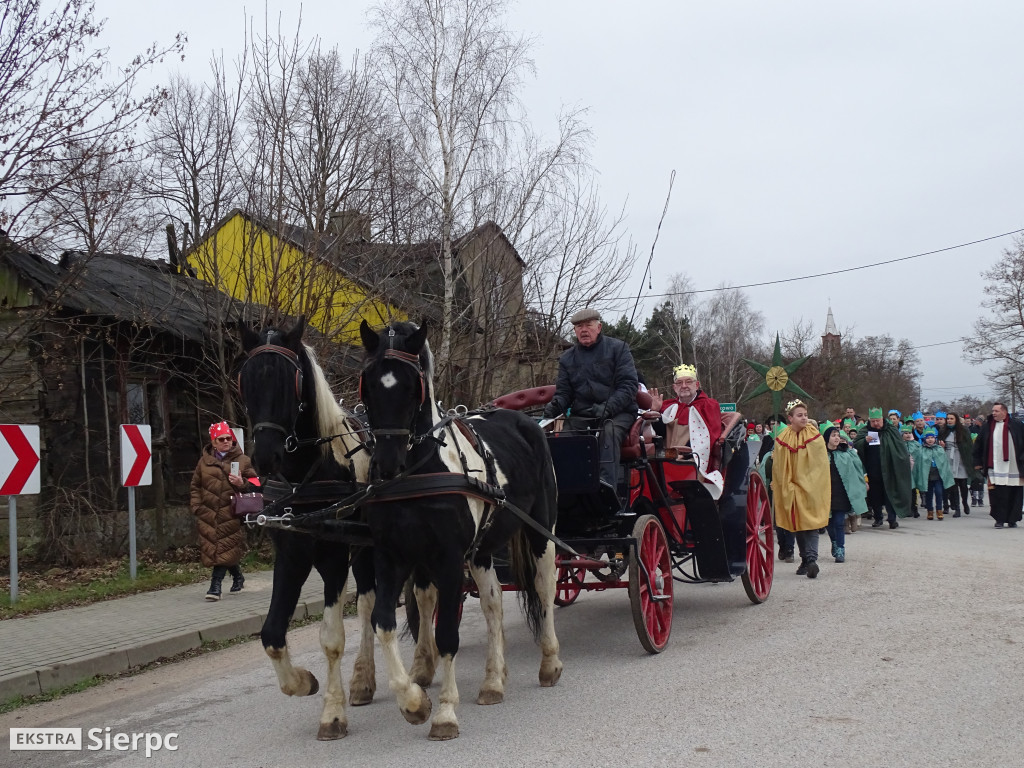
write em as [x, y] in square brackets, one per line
[662, 524]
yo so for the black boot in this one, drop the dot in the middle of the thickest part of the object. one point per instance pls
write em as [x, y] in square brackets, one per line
[213, 593]
[237, 579]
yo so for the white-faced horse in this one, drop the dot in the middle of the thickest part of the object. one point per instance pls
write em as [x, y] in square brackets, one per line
[435, 531]
[292, 409]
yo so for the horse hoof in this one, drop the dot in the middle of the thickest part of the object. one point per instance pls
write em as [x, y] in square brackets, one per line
[444, 731]
[550, 675]
[420, 714]
[336, 729]
[314, 684]
[490, 697]
[361, 697]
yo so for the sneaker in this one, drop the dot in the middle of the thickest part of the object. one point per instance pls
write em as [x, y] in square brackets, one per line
[802, 570]
[213, 594]
[841, 555]
[834, 550]
[786, 555]
[812, 569]
[893, 525]
[998, 525]
[876, 524]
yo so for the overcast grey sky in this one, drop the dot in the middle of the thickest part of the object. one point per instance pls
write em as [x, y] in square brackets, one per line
[807, 136]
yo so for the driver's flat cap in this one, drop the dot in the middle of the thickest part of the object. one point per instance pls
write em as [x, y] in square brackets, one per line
[584, 316]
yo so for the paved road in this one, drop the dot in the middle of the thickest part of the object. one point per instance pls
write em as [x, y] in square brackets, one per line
[907, 655]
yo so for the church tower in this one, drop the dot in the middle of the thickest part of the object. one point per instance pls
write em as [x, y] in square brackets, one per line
[830, 340]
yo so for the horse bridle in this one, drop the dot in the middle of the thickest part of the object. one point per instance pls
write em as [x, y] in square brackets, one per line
[413, 361]
[293, 358]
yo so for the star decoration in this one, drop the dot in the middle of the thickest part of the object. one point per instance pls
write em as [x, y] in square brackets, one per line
[777, 378]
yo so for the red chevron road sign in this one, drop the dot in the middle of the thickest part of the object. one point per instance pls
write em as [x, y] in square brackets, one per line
[19, 459]
[136, 455]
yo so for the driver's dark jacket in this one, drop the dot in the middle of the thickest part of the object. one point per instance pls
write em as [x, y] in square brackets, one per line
[598, 381]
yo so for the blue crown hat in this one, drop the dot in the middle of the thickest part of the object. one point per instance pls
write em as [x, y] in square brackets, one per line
[892, 411]
[917, 415]
[940, 414]
[930, 432]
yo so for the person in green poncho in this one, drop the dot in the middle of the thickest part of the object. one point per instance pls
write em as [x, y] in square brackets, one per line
[887, 463]
[907, 433]
[932, 475]
[849, 488]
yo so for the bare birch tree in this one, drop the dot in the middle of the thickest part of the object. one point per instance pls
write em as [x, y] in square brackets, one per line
[451, 71]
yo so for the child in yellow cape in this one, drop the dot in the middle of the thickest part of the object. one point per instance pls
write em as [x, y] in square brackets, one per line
[801, 484]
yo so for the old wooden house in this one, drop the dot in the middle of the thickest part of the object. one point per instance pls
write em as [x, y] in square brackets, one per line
[92, 342]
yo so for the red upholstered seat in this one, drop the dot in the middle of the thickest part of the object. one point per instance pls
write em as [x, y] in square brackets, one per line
[526, 398]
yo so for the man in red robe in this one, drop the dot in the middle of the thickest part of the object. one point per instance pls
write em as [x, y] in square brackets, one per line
[688, 393]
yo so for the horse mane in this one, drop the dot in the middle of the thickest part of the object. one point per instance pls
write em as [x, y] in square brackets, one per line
[330, 417]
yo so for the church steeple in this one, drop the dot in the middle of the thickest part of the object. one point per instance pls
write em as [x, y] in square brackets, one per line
[830, 340]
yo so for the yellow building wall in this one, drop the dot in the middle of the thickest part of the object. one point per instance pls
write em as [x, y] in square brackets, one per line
[250, 264]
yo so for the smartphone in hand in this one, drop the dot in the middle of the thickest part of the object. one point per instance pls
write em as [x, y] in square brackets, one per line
[234, 467]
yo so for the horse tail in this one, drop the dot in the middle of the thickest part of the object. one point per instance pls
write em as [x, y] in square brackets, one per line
[412, 612]
[524, 571]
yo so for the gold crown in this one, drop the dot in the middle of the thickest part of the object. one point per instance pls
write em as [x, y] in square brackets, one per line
[684, 370]
[794, 404]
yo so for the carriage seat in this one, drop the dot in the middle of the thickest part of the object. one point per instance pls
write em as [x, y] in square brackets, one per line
[534, 396]
[729, 423]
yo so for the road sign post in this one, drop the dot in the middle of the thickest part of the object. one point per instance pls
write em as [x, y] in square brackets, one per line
[19, 474]
[136, 469]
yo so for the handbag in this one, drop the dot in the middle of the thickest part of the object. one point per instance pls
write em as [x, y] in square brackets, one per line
[243, 504]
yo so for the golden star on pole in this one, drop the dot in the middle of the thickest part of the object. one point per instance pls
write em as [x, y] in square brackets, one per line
[777, 378]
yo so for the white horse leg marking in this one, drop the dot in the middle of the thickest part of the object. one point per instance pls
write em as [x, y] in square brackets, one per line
[294, 681]
[413, 702]
[445, 724]
[364, 673]
[492, 690]
[546, 583]
[333, 723]
[424, 659]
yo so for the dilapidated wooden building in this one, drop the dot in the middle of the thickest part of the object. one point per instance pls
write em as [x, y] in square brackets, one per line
[95, 341]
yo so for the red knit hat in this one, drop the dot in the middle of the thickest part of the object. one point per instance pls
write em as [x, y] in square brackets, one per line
[221, 429]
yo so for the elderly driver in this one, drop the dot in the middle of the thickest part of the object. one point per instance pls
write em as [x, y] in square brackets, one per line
[596, 388]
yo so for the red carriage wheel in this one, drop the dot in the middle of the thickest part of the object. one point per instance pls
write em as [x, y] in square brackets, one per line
[651, 603]
[757, 580]
[570, 584]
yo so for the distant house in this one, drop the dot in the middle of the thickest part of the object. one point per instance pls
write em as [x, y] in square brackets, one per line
[338, 277]
[92, 342]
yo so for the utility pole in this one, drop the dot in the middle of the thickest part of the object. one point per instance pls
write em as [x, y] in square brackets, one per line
[1013, 394]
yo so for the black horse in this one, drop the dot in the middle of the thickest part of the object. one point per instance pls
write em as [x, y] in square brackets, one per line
[433, 536]
[287, 398]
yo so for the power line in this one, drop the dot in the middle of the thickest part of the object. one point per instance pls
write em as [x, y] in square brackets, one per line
[821, 274]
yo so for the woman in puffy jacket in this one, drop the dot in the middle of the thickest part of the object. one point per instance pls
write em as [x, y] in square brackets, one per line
[221, 538]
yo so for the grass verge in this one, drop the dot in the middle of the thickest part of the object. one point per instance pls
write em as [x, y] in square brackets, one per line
[41, 591]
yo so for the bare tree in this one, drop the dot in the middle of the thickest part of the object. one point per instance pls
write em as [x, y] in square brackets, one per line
[60, 102]
[100, 207]
[192, 147]
[999, 335]
[452, 71]
[799, 339]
